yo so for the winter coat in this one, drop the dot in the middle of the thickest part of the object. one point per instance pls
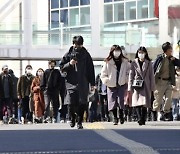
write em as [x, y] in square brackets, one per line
[176, 89]
[158, 63]
[10, 85]
[23, 85]
[99, 85]
[78, 77]
[109, 73]
[51, 81]
[38, 96]
[141, 96]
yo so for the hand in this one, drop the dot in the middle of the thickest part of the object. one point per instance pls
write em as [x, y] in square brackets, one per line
[172, 58]
[73, 62]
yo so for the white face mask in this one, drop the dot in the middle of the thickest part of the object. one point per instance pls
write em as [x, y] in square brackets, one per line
[28, 71]
[141, 55]
[39, 73]
[116, 54]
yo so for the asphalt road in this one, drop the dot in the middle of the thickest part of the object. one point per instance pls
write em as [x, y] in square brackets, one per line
[98, 138]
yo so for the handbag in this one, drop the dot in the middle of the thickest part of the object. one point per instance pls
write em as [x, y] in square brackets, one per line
[137, 83]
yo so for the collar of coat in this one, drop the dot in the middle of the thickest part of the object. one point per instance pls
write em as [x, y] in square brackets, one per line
[144, 67]
[112, 62]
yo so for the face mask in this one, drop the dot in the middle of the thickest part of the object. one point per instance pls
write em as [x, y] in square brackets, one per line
[39, 73]
[116, 54]
[28, 71]
[141, 55]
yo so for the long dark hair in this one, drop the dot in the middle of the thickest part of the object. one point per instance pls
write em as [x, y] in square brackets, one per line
[113, 48]
[145, 51]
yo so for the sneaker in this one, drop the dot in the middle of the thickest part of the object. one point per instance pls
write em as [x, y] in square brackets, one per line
[29, 122]
[22, 120]
[62, 121]
[79, 126]
[54, 121]
[1, 122]
[115, 121]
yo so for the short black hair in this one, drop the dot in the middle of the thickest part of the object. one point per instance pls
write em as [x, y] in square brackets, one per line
[52, 61]
[79, 40]
[166, 46]
[28, 66]
[74, 40]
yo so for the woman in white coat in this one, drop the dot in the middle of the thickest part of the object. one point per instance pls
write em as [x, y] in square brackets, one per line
[114, 75]
[141, 83]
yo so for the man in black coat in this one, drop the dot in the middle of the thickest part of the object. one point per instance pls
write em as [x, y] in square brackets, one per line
[78, 66]
[51, 85]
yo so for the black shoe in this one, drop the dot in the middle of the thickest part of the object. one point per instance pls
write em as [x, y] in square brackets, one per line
[115, 121]
[140, 122]
[79, 126]
[72, 123]
[122, 120]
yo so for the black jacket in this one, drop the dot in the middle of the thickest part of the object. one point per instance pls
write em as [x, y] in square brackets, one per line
[99, 84]
[81, 78]
[51, 81]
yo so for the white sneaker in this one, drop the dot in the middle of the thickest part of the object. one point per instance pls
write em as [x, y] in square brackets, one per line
[22, 120]
[1, 122]
[158, 116]
[62, 121]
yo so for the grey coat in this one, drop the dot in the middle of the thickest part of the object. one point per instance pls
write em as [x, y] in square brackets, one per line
[142, 96]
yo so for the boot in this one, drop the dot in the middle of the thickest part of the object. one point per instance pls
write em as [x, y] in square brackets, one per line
[121, 116]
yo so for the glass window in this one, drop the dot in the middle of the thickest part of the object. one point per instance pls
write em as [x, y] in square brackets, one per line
[64, 17]
[106, 1]
[142, 11]
[151, 8]
[85, 16]
[118, 0]
[54, 4]
[74, 17]
[108, 13]
[85, 2]
[130, 10]
[74, 2]
[54, 19]
[63, 3]
[119, 12]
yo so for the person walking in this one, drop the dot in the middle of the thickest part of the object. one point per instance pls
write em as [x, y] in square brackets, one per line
[23, 92]
[141, 83]
[38, 96]
[78, 65]
[114, 75]
[176, 97]
[7, 94]
[164, 70]
[50, 84]
[102, 93]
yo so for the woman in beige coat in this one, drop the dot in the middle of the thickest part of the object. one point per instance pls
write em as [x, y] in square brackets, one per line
[114, 75]
[141, 72]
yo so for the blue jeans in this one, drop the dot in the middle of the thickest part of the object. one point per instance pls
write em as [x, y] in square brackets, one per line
[175, 107]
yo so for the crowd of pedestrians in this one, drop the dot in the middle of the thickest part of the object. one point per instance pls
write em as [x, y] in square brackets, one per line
[125, 90]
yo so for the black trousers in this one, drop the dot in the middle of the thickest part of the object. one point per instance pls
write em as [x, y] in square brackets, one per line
[76, 108]
[141, 113]
[104, 106]
[25, 108]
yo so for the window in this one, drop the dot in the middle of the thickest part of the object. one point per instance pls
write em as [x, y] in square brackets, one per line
[151, 8]
[85, 2]
[74, 17]
[130, 10]
[106, 1]
[64, 17]
[54, 19]
[54, 4]
[119, 12]
[142, 11]
[85, 16]
[118, 0]
[63, 3]
[108, 13]
[74, 2]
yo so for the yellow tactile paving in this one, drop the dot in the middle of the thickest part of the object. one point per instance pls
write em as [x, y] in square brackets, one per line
[95, 125]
